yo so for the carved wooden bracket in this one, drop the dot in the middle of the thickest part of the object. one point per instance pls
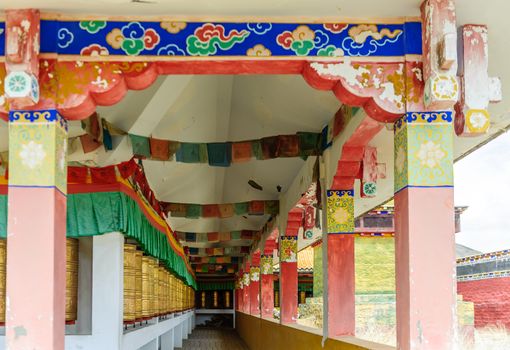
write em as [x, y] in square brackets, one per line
[377, 87]
[77, 88]
[22, 57]
[477, 88]
[439, 54]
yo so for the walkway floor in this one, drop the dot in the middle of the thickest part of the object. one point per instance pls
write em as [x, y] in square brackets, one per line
[214, 339]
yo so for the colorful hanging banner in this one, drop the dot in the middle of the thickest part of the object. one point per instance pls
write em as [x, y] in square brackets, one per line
[195, 211]
[223, 154]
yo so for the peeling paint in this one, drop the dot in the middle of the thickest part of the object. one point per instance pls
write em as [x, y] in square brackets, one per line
[19, 331]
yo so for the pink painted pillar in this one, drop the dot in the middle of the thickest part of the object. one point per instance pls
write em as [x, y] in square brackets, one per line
[246, 288]
[288, 269]
[267, 280]
[340, 251]
[255, 285]
[36, 243]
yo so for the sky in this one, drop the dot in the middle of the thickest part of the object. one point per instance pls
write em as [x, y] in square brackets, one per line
[482, 182]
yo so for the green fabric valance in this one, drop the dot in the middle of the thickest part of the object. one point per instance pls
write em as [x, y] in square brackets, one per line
[216, 285]
[91, 214]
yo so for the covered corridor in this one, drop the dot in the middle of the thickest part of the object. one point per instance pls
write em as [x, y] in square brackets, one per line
[173, 167]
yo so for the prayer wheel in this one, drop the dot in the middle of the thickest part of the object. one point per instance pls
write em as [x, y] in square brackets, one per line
[138, 285]
[3, 255]
[129, 283]
[147, 287]
[71, 279]
[161, 290]
[227, 299]
[155, 288]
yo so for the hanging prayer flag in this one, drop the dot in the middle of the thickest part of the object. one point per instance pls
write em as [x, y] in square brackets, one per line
[308, 143]
[246, 234]
[241, 151]
[213, 236]
[271, 207]
[224, 236]
[191, 237]
[219, 154]
[193, 211]
[256, 208]
[140, 145]
[104, 175]
[193, 251]
[241, 208]
[288, 146]
[245, 250]
[173, 147]
[226, 210]
[210, 211]
[269, 147]
[218, 251]
[235, 234]
[188, 153]
[88, 143]
[256, 149]
[77, 174]
[160, 149]
[127, 169]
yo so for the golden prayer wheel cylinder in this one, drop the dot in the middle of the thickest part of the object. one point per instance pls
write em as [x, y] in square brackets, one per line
[138, 285]
[3, 255]
[155, 288]
[71, 279]
[161, 299]
[146, 287]
[129, 283]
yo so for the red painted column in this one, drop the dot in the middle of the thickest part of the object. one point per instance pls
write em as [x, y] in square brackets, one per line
[267, 280]
[340, 252]
[288, 269]
[36, 242]
[255, 285]
[246, 288]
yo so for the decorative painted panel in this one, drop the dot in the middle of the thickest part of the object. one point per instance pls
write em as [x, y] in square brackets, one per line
[288, 249]
[423, 149]
[167, 38]
[254, 273]
[266, 264]
[246, 279]
[340, 211]
[38, 149]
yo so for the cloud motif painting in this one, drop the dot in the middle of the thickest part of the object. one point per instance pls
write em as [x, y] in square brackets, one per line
[225, 39]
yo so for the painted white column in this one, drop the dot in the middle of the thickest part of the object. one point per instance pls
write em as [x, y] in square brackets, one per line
[107, 291]
[153, 345]
[178, 336]
[185, 327]
[167, 340]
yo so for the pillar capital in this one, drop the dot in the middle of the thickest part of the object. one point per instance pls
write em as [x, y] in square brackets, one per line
[423, 148]
[340, 211]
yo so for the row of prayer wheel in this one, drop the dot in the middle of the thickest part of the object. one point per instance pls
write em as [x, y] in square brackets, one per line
[71, 279]
[150, 290]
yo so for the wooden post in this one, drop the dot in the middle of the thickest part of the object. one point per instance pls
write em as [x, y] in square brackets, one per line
[288, 269]
[340, 252]
[267, 280]
[246, 288]
[255, 285]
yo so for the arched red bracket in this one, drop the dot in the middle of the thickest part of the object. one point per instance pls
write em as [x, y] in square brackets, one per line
[377, 87]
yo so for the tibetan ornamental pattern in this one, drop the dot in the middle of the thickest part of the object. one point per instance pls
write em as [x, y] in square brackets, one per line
[423, 149]
[340, 211]
[262, 40]
[254, 273]
[38, 149]
[266, 264]
[288, 249]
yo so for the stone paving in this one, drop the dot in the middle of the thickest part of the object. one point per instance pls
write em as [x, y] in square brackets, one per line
[214, 339]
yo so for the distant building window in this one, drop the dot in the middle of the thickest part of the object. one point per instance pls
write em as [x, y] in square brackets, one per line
[357, 223]
[378, 221]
